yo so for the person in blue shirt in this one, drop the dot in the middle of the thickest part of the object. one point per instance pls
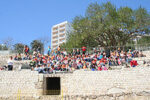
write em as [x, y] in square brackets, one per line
[49, 50]
[100, 56]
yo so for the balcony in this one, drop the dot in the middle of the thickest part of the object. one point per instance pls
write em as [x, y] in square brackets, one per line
[62, 30]
[61, 43]
[62, 26]
[55, 41]
[62, 40]
[55, 33]
[62, 35]
[55, 37]
[55, 28]
[54, 46]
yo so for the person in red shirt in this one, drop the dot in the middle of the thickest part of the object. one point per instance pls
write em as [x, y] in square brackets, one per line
[26, 49]
[99, 68]
[83, 49]
[133, 63]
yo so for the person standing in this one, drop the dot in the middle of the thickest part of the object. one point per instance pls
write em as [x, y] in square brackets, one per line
[26, 49]
[49, 50]
[83, 49]
[10, 63]
[58, 50]
[78, 52]
[39, 49]
[74, 52]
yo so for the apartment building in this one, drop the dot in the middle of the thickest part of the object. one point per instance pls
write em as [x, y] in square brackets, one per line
[59, 34]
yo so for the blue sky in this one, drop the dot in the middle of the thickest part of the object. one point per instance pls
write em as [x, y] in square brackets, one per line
[26, 20]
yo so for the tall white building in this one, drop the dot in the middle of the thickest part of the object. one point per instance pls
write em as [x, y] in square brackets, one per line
[59, 34]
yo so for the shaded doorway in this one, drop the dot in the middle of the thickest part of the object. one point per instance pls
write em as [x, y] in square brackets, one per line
[52, 86]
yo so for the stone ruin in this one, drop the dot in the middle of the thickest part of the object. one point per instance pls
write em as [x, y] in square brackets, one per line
[119, 84]
[126, 84]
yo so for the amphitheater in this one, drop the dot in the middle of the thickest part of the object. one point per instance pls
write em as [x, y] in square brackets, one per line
[118, 84]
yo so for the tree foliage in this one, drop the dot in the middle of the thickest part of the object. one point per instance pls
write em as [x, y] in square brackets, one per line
[37, 45]
[44, 40]
[105, 25]
[144, 40]
[3, 47]
[19, 47]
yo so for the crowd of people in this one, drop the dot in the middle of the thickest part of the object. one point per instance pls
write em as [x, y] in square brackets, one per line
[98, 60]
[61, 60]
[26, 55]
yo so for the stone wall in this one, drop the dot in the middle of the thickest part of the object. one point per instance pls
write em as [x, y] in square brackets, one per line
[107, 82]
[13, 83]
[4, 52]
[80, 85]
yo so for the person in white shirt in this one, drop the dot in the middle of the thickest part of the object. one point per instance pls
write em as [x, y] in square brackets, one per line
[10, 63]
[64, 52]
